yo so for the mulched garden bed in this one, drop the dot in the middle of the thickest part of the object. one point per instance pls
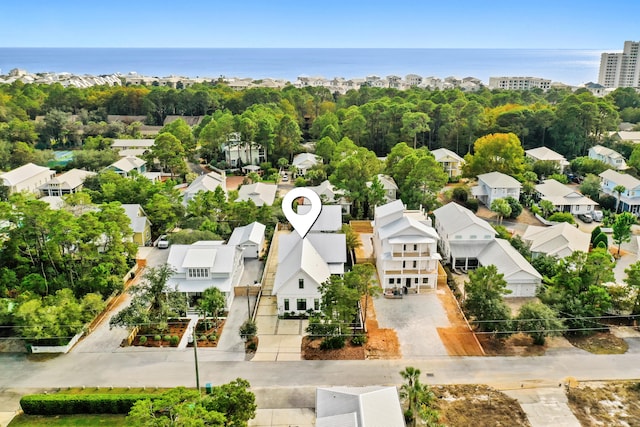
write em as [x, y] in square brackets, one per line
[208, 334]
[167, 338]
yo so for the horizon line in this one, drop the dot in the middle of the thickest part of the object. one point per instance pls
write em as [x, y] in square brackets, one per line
[308, 48]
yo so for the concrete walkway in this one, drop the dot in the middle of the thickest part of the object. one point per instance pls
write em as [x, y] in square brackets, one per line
[188, 335]
[545, 406]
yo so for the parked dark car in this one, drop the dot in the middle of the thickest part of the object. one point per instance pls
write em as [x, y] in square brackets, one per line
[585, 218]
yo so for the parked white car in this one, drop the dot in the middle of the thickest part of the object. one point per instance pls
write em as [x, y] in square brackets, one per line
[163, 242]
[597, 216]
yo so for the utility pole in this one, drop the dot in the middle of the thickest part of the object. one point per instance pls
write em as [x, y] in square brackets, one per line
[195, 355]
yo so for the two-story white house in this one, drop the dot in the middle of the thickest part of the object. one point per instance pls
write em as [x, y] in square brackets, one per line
[496, 185]
[463, 235]
[238, 152]
[544, 154]
[450, 161]
[405, 247]
[204, 265]
[608, 156]
[630, 198]
[565, 198]
[66, 183]
[303, 265]
[27, 178]
[471, 243]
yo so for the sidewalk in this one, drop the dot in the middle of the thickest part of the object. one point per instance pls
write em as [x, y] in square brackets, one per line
[545, 406]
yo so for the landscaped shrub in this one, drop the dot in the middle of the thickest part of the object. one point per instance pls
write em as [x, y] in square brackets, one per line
[157, 338]
[252, 346]
[213, 337]
[359, 340]
[167, 338]
[203, 338]
[472, 205]
[174, 340]
[142, 340]
[62, 404]
[334, 342]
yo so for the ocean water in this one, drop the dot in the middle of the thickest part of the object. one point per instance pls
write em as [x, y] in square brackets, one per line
[567, 66]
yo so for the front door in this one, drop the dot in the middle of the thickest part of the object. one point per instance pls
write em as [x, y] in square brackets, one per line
[407, 283]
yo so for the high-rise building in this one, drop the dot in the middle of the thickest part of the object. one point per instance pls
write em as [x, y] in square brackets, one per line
[621, 69]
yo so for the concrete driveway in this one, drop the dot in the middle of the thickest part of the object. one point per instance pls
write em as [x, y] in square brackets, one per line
[415, 319]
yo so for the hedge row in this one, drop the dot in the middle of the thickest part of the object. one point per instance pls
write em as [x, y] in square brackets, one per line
[65, 404]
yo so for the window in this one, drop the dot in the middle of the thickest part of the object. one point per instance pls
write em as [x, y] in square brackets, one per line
[316, 304]
[473, 236]
[301, 304]
[425, 280]
[415, 280]
[300, 283]
[415, 264]
[198, 272]
[404, 264]
[415, 247]
[286, 304]
[391, 281]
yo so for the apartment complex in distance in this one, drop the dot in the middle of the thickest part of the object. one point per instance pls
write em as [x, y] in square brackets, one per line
[519, 83]
[621, 69]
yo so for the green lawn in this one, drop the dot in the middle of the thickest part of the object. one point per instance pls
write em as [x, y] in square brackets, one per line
[84, 420]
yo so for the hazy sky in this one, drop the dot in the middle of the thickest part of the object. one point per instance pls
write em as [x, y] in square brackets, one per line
[579, 24]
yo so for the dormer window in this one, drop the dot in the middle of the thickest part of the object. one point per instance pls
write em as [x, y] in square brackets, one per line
[198, 273]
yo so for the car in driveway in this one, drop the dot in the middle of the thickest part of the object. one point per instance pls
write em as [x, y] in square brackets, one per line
[163, 242]
[585, 218]
[597, 216]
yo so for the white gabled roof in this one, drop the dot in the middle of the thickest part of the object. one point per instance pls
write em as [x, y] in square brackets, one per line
[70, 179]
[390, 209]
[629, 182]
[400, 226]
[560, 194]
[442, 153]
[306, 159]
[607, 152]
[296, 254]
[216, 257]
[387, 182]
[629, 135]
[137, 216]
[128, 164]
[507, 259]
[546, 154]
[453, 218]
[560, 239]
[23, 173]
[259, 192]
[374, 406]
[332, 247]
[207, 182]
[499, 180]
[330, 218]
[249, 234]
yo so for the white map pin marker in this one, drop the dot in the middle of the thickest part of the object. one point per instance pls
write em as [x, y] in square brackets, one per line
[302, 223]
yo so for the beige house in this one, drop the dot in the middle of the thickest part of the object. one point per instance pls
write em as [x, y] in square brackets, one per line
[450, 161]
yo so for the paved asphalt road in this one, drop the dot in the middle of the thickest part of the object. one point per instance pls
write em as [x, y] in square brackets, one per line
[170, 367]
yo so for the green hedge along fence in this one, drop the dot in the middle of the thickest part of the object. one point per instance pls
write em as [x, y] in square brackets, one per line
[66, 404]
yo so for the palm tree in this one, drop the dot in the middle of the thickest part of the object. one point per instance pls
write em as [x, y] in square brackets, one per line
[619, 189]
[352, 241]
[418, 398]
